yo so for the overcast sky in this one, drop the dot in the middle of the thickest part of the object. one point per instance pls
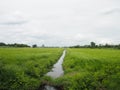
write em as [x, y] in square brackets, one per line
[60, 22]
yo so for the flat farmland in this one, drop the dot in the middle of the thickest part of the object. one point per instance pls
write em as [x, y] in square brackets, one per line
[23, 68]
[84, 69]
[91, 69]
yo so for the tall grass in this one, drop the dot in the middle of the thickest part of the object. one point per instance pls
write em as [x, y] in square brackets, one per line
[91, 69]
[23, 68]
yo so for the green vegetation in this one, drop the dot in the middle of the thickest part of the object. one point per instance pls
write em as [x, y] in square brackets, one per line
[23, 68]
[85, 69]
[13, 45]
[91, 69]
[94, 45]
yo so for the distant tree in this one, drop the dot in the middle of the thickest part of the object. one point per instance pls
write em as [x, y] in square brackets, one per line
[119, 46]
[77, 46]
[92, 44]
[34, 46]
[107, 45]
[2, 44]
[17, 45]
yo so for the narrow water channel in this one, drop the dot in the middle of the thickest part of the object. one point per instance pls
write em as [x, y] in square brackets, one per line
[56, 72]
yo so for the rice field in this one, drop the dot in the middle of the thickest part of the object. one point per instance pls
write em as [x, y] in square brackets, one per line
[23, 68]
[91, 69]
[84, 68]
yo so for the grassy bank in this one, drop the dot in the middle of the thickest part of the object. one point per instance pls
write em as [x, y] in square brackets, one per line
[23, 68]
[91, 69]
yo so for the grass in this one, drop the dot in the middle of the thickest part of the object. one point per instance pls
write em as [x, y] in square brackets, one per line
[91, 69]
[23, 68]
[84, 69]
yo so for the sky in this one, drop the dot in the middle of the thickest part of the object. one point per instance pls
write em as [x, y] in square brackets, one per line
[60, 22]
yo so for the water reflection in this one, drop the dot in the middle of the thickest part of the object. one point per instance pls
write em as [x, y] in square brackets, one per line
[57, 70]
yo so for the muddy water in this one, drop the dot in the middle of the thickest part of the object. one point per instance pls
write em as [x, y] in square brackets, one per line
[56, 72]
[48, 87]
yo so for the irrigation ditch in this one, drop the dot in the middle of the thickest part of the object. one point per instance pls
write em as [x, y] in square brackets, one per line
[56, 72]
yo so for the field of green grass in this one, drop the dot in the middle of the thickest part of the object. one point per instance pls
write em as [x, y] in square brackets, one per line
[91, 69]
[84, 69]
[23, 68]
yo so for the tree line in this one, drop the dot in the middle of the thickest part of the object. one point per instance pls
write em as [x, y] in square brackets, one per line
[94, 45]
[91, 45]
[13, 45]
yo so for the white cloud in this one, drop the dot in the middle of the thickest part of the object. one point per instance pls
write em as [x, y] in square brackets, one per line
[59, 22]
[112, 11]
[15, 18]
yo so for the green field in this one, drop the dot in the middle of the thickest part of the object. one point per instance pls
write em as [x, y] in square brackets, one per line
[23, 68]
[84, 69]
[91, 69]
